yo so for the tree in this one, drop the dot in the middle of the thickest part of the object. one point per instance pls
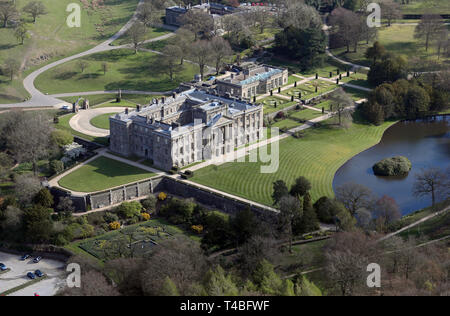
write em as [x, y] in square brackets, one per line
[65, 206]
[35, 9]
[290, 211]
[430, 181]
[129, 209]
[43, 198]
[299, 15]
[82, 64]
[201, 52]
[428, 28]
[169, 288]
[340, 101]
[218, 283]
[27, 186]
[346, 27]
[8, 11]
[169, 60]
[280, 190]
[136, 33]
[198, 22]
[184, 39]
[30, 138]
[390, 11]
[243, 225]
[300, 187]
[376, 52]
[390, 69]
[386, 211]
[11, 67]
[38, 227]
[148, 14]
[354, 196]
[105, 67]
[308, 45]
[61, 137]
[309, 221]
[417, 101]
[220, 49]
[21, 32]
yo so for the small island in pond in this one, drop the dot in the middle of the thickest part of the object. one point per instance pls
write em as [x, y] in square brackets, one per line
[395, 166]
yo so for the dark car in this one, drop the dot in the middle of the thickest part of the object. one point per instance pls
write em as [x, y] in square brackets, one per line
[38, 273]
[3, 267]
[37, 259]
[25, 257]
[31, 275]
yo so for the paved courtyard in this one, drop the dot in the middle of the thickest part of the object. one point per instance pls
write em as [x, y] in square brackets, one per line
[19, 269]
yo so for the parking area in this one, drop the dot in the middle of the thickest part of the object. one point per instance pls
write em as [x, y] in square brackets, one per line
[17, 275]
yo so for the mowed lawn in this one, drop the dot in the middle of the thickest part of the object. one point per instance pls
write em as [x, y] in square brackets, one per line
[51, 37]
[101, 174]
[316, 156]
[102, 120]
[126, 71]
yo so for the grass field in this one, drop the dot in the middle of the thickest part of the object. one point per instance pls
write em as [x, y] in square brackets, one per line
[126, 71]
[424, 6]
[398, 39]
[51, 38]
[102, 121]
[102, 173]
[64, 124]
[317, 156]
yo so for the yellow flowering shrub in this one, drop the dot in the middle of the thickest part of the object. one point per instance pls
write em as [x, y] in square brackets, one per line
[162, 196]
[197, 228]
[145, 216]
[114, 225]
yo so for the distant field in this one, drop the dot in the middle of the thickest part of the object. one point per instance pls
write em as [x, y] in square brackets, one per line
[317, 156]
[126, 71]
[51, 38]
[398, 39]
[102, 173]
[424, 6]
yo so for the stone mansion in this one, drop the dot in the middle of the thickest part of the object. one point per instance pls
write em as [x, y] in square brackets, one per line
[215, 10]
[252, 81]
[185, 128]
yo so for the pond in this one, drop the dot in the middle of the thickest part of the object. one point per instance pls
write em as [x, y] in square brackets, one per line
[426, 143]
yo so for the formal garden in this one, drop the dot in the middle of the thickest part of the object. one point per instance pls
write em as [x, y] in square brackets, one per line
[273, 104]
[310, 89]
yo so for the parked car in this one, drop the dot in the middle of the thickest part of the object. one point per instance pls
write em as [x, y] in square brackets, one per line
[37, 259]
[38, 273]
[3, 267]
[31, 275]
[25, 257]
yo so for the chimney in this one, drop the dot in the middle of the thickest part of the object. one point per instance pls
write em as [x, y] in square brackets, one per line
[163, 100]
[175, 125]
[126, 111]
[138, 108]
[174, 95]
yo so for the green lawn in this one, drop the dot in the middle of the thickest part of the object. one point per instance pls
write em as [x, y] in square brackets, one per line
[286, 124]
[64, 124]
[306, 114]
[101, 174]
[126, 70]
[398, 39]
[356, 94]
[424, 6]
[102, 121]
[52, 39]
[316, 156]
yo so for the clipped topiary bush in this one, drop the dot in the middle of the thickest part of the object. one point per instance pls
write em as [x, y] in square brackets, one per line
[395, 166]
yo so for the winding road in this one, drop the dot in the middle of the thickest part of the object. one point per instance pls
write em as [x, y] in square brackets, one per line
[39, 99]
